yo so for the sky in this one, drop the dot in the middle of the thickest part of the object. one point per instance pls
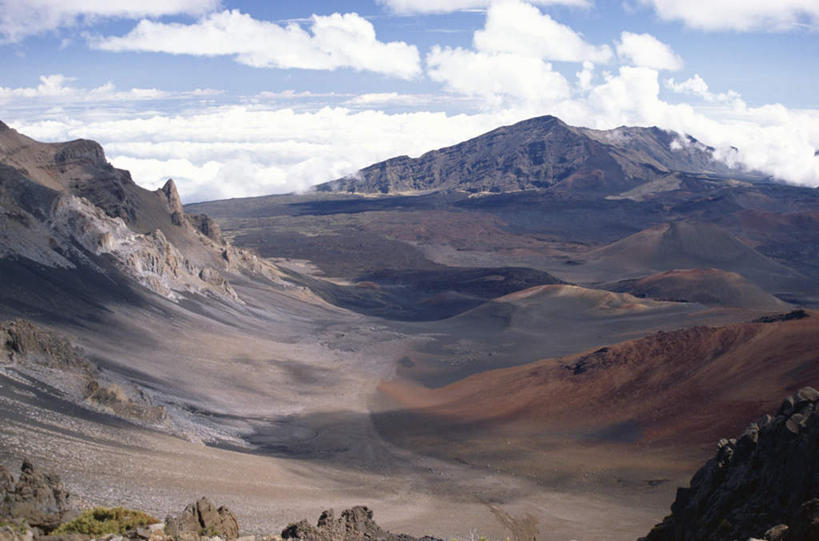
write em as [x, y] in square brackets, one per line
[245, 98]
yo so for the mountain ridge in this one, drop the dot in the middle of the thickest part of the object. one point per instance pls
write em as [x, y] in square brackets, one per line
[542, 153]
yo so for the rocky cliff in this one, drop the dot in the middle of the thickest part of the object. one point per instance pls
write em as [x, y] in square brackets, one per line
[62, 205]
[763, 484]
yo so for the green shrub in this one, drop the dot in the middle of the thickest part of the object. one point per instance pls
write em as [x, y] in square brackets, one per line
[105, 520]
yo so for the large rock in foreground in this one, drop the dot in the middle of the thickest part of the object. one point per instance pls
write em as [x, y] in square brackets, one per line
[354, 524]
[36, 497]
[203, 519]
[764, 484]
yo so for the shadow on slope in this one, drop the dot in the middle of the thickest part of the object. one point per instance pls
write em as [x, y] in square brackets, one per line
[654, 403]
[425, 295]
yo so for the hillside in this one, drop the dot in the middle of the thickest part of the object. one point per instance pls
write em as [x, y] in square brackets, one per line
[669, 394]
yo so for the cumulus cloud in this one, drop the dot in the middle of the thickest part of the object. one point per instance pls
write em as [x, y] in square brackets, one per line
[509, 66]
[22, 18]
[334, 41]
[519, 28]
[408, 7]
[740, 15]
[500, 79]
[646, 51]
[696, 86]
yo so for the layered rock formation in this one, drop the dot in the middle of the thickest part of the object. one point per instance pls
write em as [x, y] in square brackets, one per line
[543, 153]
[64, 206]
[763, 484]
[36, 497]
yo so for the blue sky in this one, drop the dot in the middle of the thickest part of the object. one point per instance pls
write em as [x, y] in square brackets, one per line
[247, 98]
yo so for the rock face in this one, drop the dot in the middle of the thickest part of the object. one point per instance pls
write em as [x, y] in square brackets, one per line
[540, 153]
[38, 498]
[202, 518]
[763, 484]
[62, 205]
[354, 524]
[207, 226]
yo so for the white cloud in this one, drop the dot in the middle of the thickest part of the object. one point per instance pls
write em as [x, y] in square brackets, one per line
[646, 51]
[56, 88]
[519, 28]
[234, 151]
[503, 79]
[22, 18]
[696, 86]
[334, 41]
[408, 7]
[740, 15]
[393, 99]
[585, 76]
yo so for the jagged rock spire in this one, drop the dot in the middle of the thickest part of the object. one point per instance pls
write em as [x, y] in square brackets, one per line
[172, 195]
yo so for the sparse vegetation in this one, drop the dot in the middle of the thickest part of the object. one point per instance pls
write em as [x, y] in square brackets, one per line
[105, 520]
[20, 526]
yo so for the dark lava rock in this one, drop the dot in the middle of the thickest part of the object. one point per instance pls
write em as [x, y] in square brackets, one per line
[354, 524]
[202, 518]
[37, 497]
[764, 484]
[796, 314]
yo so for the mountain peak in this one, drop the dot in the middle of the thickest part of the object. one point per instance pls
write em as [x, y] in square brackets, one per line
[3, 127]
[541, 153]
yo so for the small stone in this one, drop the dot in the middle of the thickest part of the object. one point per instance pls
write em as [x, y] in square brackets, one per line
[792, 425]
[808, 393]
[776, 533]
[787, 407]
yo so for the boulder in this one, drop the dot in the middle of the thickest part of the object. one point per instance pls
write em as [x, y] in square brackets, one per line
[203, 519]
[38, 498]
[355, 524]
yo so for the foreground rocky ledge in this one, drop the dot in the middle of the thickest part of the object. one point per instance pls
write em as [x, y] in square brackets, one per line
[763, 484]
[37, 506]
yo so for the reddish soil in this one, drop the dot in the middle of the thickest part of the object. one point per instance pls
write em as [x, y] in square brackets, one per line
[634, 405]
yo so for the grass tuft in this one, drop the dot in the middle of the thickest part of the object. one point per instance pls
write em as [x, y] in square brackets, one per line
[105, 520]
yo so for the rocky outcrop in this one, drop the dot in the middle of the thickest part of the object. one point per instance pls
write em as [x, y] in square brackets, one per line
[763, 484]
[172, 198]
[24, 341]
[150, 259]
[36, 497]
[354, 524]
[52, 358]
[202, 519]
[62, 205]
[207, 226]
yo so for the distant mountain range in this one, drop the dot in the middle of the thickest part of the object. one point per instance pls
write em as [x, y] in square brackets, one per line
[544, 153]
